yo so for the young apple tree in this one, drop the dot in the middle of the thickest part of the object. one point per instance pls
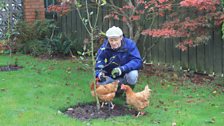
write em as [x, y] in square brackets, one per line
[89, 24]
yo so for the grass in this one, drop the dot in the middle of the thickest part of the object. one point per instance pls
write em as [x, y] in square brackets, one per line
[33, 96]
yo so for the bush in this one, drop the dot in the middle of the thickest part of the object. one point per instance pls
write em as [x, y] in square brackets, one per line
[58, 45]
[31, 36]
[41, 38]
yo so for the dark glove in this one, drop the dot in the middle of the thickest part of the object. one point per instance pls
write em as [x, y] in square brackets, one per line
[102, 77]
[116, 72]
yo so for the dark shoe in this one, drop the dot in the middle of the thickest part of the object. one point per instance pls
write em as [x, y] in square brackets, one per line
[119, 92]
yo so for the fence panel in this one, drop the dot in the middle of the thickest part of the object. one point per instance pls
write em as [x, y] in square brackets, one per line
[222, 57]
[168, 51]
[192, 58]
[176, 53]
[161, 46]
[217, 52]
[200, 58]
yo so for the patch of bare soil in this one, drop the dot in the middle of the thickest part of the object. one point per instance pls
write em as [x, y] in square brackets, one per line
[10, 68]
[170, 74]
[89, 111]
[198, 78]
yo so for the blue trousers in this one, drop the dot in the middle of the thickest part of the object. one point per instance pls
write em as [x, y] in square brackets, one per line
[129, 78]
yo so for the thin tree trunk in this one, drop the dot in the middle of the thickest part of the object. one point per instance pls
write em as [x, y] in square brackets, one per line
[93, 67]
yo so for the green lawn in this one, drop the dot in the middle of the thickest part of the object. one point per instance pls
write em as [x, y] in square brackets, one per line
[33, 96]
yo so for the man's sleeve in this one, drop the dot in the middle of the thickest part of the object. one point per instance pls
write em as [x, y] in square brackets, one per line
[100, 60]
[135, 62]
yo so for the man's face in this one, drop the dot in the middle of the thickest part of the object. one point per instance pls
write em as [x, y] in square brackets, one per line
[115, 42]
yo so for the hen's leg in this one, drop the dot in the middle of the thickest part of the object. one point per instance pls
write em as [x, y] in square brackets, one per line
[140, 114]
[102, 105]
[112, 105]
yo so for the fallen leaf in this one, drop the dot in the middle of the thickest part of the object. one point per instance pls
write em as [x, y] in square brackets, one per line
[2, 89]
[59, 112]
[174, 124]
[190, 101]
[212, 120]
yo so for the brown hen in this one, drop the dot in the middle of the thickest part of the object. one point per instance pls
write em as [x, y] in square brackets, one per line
[138, 100]
[105, 93]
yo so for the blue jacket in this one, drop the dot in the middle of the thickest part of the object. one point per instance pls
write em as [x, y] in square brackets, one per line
[127, 57]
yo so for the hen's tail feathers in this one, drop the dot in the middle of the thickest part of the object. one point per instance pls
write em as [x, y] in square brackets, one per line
[147, 88]
[147, 91]
[92, 86]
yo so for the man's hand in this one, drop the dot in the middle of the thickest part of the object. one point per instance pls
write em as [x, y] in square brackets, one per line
[116, 72]
[102, 77]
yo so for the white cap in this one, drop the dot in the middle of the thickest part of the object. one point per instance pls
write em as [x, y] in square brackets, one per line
[114, 32]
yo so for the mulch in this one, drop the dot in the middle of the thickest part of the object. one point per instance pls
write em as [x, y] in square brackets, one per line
[89, 111]
[10, 68]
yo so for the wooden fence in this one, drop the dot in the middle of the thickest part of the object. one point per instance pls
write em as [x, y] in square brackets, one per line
[207, 58]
